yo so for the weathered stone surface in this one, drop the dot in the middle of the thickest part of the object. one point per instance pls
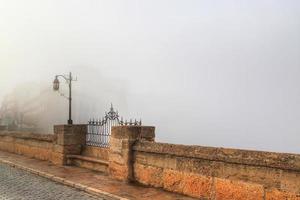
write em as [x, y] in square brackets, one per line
[133, 132]
[243, 174]
[148, 175]
[156, 160]
[235, 190]
[67, 149]
[28, 135]
[198, 166]
[27, 145]
[58, 158]
[119, 172]
[70, 134]
[280, 195]
[88, 164]
[70, 139]
[117, 158]
[7, 146]
[172, 181]
[34, 152]
[187, 183]
[67, 140]
[97, 152]
[115, 145]
[234, 156]
[120, 151]
[197, 186]
[290, 181]
[269, 177]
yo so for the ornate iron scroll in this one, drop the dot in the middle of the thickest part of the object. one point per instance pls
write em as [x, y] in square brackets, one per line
[99, 131]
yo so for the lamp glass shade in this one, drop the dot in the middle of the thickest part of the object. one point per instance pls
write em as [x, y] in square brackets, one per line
[56, 84]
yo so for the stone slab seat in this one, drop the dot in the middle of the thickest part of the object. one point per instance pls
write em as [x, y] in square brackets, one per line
[87, 162]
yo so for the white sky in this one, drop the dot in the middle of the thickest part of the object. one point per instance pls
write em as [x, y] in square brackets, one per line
[217, 73]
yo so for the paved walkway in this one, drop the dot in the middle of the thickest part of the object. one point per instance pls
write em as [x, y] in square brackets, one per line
[16, 184]
[89, 181]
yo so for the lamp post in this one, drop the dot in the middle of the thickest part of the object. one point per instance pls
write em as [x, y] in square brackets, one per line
[69, 80]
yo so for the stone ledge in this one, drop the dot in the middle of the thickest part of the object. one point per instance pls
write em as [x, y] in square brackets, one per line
[236, 156]
[89, 159]
[133, 132]
[28, 135]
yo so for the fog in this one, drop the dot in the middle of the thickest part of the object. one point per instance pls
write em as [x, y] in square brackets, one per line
[211, 73]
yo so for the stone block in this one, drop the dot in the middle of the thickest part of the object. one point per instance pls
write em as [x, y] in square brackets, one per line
[147, 133]
[117, 158]
[70, 139]
[58, 158]
[276, 194]
[187, 183]
[133, 132]
[38, 153]
[290, 181]
[23, 150]
[197, 186]
[148, 175]
[115, 145]
[269, 177]
[236, 190]
[121, 149]
[198, 166]
[172, 181]
[67, 149]
[70, 134]
[96, 152]
[119, 172]
[7, 146]
[157, 160]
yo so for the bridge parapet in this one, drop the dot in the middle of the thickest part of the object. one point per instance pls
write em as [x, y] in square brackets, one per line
[197, 171]
[202, 172]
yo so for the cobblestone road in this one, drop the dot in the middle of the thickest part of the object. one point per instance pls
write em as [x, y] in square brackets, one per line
[16, 184]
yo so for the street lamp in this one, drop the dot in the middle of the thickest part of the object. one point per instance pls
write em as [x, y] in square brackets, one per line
[69, 80]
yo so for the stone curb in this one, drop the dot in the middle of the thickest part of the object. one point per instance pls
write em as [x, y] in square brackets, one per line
[90, 190]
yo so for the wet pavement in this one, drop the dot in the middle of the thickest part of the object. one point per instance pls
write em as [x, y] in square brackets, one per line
[16, 184]
[97, 182]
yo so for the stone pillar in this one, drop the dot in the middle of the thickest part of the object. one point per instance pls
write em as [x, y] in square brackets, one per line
[69, 140]
[121, 154]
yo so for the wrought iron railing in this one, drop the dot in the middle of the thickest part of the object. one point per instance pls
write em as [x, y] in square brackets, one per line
[99, 131]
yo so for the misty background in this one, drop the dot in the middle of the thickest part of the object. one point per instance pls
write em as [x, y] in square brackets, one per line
[211, 73]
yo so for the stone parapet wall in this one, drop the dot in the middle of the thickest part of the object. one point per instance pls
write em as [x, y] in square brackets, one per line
[28, 144]
[217, 173]
[234, 156]
[206, 173]
[66, 140]
[28, 135]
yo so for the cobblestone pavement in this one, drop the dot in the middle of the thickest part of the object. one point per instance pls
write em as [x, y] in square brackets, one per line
[94, 181]
[16, 184]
